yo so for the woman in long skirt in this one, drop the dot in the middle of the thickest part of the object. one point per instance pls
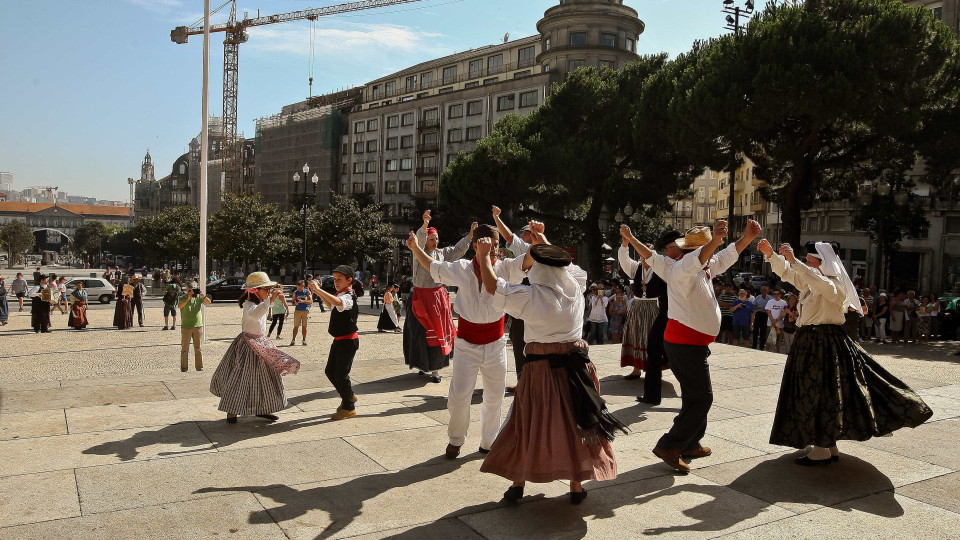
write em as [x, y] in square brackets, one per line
[39, 308]
[123, 313]
[247, 381]
[4, 308]
[78, 308]
[388, 316]
[832, 389]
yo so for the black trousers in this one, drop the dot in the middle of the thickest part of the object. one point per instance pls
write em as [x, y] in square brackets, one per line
[690, 367]
[760, 330]
[138, 305]
[277, 323]
[653, 376]
[516, 338]
[339, 363]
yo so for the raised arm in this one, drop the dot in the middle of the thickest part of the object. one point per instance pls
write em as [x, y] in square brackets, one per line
[629, 265]
[457, 251]
[505, 231]
[329, 299]
[418, 253]
[728, 257]
[487, 275]
[627, 236]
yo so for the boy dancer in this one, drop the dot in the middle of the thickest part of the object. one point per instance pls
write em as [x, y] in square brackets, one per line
[346, 341]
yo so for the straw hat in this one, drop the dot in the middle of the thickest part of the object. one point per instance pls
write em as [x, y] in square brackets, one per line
[695, 238]
[257, 280]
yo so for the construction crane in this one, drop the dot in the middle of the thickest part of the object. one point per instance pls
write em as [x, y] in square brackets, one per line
[235, 35]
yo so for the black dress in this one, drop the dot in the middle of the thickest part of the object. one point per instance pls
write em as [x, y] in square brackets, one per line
[39, 313]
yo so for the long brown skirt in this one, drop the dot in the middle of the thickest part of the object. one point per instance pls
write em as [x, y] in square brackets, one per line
[540, 441]
[78, 315]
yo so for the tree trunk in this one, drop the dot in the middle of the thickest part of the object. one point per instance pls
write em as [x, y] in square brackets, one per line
[791, 203]
[592, 234]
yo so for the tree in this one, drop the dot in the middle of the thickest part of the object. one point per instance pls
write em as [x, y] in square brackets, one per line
[88, 239]
[820, 94]
[18, 238]
[572, 159]
[345, 233]
[888, 223]
[171, 235]
[247, 230]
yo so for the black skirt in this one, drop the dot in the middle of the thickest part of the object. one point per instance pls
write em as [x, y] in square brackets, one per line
[832, 390]
[40, 315]
[416, 353]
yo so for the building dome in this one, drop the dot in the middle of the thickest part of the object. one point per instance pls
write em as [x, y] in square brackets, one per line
[579, 33]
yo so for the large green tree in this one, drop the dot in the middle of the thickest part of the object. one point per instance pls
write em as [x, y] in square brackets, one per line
[247, 230]
[824, 93]
[171, 235]
[88, 239]
[18, 239]
[346, 233]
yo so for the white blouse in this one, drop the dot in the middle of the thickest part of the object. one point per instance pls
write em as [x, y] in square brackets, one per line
[255, 317]
[821, 297]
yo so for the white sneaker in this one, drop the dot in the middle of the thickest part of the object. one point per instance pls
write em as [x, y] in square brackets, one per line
[304, 342]
[293, 342]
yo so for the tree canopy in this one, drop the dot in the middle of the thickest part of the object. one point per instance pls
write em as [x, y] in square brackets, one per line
[247, 230]
[346, 233]
[18, 239]
[171, 235]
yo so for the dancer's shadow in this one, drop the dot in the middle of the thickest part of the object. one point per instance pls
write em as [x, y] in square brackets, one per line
[397, 383]
[343, 502]
[616, 385]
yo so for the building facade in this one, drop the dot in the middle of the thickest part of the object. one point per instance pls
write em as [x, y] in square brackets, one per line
[60, 221]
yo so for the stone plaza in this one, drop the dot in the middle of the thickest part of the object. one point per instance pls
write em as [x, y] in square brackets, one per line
[101, 436]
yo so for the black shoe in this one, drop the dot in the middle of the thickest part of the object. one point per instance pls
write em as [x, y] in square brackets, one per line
[435, 378]
[577, 497]
[183, 370]
[643, 399]
[270, 417]
[231, 419]
[484, 450]
[513, 493]
[807, 462]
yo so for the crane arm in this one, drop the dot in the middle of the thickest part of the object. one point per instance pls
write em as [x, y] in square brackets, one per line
[180, 33]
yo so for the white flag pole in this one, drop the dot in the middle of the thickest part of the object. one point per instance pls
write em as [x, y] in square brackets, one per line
[204, 149]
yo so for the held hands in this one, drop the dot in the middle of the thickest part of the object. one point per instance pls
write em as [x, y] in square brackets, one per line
[753, 230]
[496, 211]
[625, 233]
[787, 251]
[536, 231]
[426, 218]
[483, 247]
[765, 248]
[472, 227]
[719, 230]
[412, 239]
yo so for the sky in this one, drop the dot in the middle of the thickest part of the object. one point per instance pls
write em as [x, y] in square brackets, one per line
[87, 87]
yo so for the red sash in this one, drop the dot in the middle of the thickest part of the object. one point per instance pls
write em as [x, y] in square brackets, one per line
[349, 336]
[480, 334]
[682, 334]
[431, 307]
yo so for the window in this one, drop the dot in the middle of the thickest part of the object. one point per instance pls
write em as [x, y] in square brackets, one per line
[423, 95]
[404, 186]
[411, 83]
[406, 164]
[938, 13]
[430, 138]
[578, 38]
[358, 127]
[456, 111]
[608, 40]
[572, 65]
[372, 125]
[429, 115]
[474, 108]
[528, 99]
[343, 187]
[406, 141]
[473, 133]
[372, 146]
[371, 166]
[357, 187]
[546, 44]
[521, 74]
[629, 45]
[505, 103]
[358, 147]
[494, 64]
[377, 91]
[526, 56]
[369, 188]
[346, 149]
[429, 186]
[391, 187]
[392, 165]
[454, 136]
[373, 106]
[450, 158]
[392, 143]
[445, 90]
[357, 168]
[546, 68]
[390, 88]
[607, 64]
[426, 79]
[491, 80]
[387, 102]
[183, 168]
[476, 68]
[406, 119]
[393, 121]
[449, 74]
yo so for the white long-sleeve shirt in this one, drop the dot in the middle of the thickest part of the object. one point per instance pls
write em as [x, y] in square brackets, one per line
[473, 302]
[518, 246]
[631, 266]
[421, 276]
[821, 298]
[255, 317]
[544, 319]
[690, 295]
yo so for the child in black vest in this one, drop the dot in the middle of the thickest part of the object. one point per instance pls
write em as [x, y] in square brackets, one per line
[343, 328]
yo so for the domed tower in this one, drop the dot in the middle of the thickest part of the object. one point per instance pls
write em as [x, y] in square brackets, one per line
[579, 33]
[146, 169]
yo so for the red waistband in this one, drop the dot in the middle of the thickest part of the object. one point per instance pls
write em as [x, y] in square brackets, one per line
[682, 334]
[350, 336]
[480, 334]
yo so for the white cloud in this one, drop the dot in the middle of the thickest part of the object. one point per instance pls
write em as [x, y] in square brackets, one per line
[346, 38]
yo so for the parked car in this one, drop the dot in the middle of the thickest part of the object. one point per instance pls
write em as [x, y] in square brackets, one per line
[226, 289]
[98, 288]
[949, 318]
[741, 278]
[759, 281]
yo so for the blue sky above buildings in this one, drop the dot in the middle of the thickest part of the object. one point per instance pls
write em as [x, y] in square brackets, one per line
[88, 86]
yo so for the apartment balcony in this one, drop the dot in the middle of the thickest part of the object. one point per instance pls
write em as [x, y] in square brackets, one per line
[425, 194]
[428, 147]
[427, 171]
[759, 207]
[432, 123]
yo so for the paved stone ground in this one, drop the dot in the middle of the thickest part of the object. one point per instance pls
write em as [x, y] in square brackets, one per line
[101, 436]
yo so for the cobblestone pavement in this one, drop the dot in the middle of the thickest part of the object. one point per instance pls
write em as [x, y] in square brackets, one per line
[103, 437]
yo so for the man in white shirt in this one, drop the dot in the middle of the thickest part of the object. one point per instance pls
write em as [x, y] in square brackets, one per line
[519, 244]
[597, 306]
[480, 343]
[775, 315]
[694, 321]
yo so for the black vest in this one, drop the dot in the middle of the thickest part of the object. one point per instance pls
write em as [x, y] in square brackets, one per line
[344, 323]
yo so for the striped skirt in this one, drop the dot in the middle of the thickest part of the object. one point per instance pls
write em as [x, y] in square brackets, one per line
[636, 332]
[245, 383]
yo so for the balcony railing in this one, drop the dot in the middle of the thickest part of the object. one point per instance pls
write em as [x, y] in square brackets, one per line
[470, 75]
[426, 171]
[758, 206]
[428, 147]
[429, 123]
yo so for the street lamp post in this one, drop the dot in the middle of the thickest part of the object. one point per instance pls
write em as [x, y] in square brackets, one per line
[306, 199]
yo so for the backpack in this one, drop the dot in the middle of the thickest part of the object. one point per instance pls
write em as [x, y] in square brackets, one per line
[170, 298]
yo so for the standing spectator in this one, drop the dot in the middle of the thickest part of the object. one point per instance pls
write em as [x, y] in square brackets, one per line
[910, 305]
[62, 287]
[4, 309]
[760, 327]
[617, 312]
[741, 310]
[880, 315]
[375, 293]
[171, 297]
[139, 291]
[898, 311]
[597, 304]
[725, 299]
[790, 316]
[278, 313]
[302, 300]
[775, 313]
[923, 321]
[36, 276]
[191, 324]
[866, 323]
[20, 289]
[933, 308]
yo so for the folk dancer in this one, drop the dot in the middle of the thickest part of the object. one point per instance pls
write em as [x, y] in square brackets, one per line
[248, 379]
[78, 307]
[832, 389]
[693, 323]
[428, 335]
[40, 305]
[480, 343]
[388, 315]
[346, 341]
[559, 427]
[518, 244]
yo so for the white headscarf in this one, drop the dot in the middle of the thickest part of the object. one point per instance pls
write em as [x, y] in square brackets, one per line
[559, 280]
[831, 266]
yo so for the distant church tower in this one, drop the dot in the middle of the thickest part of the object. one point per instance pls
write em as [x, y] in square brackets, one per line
[146, 169]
